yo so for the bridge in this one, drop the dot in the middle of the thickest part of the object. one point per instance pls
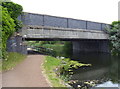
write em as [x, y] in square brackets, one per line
[85, 35]
[39, 26]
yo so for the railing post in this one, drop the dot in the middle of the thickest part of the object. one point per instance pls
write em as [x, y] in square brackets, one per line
[86, 24]
[101, 27]
[67, 23]
[43, 20]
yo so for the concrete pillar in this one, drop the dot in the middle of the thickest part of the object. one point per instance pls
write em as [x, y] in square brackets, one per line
[91, 46]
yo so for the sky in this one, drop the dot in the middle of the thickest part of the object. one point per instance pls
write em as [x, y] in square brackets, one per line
[104, 11]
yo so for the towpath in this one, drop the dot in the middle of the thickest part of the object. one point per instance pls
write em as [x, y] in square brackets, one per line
[26, 74]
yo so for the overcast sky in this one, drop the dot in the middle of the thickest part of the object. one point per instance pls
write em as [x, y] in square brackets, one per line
[104, 11]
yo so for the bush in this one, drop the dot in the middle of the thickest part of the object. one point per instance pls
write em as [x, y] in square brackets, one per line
[7, 29]
[10, 24]
[114, 34]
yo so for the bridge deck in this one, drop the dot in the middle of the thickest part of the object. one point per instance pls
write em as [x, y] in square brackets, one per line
[48, 32]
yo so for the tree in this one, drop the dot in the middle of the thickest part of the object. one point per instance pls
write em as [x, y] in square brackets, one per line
[7, 29]
[14, 10]
[114, 33]
[10, 23]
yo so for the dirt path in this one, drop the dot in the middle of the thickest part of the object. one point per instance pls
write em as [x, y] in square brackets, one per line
[26, 74]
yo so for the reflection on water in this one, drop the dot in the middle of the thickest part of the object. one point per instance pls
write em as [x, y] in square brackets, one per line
[103, 72]
[104, 69]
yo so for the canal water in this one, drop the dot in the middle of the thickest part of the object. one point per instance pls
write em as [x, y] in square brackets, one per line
[103, 74]
[104, 71]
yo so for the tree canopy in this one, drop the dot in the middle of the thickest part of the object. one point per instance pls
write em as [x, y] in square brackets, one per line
[14, 10]
[10, 23]
[114, 33]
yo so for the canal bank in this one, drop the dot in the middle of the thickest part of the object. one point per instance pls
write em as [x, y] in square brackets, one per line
[104, 69]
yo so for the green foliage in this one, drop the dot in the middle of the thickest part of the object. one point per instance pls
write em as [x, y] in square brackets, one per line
[18, 24]
[14, 10]
[0, 32]
[7, 29]
[62, 67]
[114, 34]
[49, 65]
[58, 48]
[67, 66]
[10, 12]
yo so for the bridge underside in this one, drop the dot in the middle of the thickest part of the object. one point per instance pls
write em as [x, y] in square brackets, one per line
[83, 45]
[61, 39]
[91, 46]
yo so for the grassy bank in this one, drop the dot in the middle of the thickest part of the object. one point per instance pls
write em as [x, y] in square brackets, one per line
[59, 70]
[49, 65]
[12, 60]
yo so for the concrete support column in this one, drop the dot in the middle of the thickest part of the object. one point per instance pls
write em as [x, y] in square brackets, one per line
[91, 46]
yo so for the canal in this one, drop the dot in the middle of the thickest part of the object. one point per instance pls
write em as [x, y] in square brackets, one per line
[104, 71]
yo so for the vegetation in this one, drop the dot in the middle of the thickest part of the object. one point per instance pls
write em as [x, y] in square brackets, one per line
[114, 33]
[0, 33]
[10, 24]
[43, 43]
[66, 67]
[7, 29]
[12, 60]
[54, 48]
[14, 11]
[49, 65]
[62, 67]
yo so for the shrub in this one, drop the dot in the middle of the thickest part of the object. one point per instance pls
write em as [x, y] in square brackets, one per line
[114, 34]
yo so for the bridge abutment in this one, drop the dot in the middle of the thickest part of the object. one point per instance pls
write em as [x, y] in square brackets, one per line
[91, 46]
[16, 44]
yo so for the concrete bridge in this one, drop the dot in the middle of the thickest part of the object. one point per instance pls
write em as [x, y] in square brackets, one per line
[39, 26]
[85, 35]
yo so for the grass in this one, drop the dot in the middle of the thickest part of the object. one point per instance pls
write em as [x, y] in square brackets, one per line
[12, 60]
[49, 65]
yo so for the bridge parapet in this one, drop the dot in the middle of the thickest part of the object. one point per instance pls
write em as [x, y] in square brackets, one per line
[53, 21]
